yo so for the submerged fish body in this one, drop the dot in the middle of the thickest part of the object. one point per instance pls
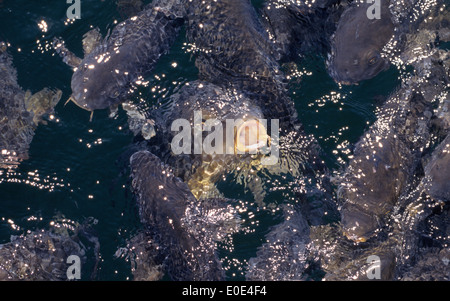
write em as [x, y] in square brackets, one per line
[107, 74]
[426, 202]
[184, 228]
[38, 256]
[421, 230]
[387, 157]
[20, 112]
[363, 47]
[17, 129]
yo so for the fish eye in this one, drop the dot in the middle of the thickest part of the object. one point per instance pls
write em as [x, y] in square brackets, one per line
[373, 60]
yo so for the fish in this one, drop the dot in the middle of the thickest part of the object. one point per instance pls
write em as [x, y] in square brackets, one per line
[110, 68]
[184, 229]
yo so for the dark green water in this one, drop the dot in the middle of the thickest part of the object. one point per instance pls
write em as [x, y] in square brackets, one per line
[75, 171]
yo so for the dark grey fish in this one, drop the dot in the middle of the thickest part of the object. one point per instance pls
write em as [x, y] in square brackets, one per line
[438, 171]
[404, 208]
[387, 157]
[432, 266]
[233, 50]
[108, 72]
[417, 245]
[184, 229]
[343, 260]
[358, 43]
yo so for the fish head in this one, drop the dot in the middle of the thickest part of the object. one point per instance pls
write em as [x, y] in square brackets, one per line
[357, 46]
[251, 135]
[97, 85]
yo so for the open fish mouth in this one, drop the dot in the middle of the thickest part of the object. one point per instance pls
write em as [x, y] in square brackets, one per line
[250, 136]
[355, 238]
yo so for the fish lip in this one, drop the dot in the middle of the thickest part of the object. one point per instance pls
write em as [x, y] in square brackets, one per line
[355, 238]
